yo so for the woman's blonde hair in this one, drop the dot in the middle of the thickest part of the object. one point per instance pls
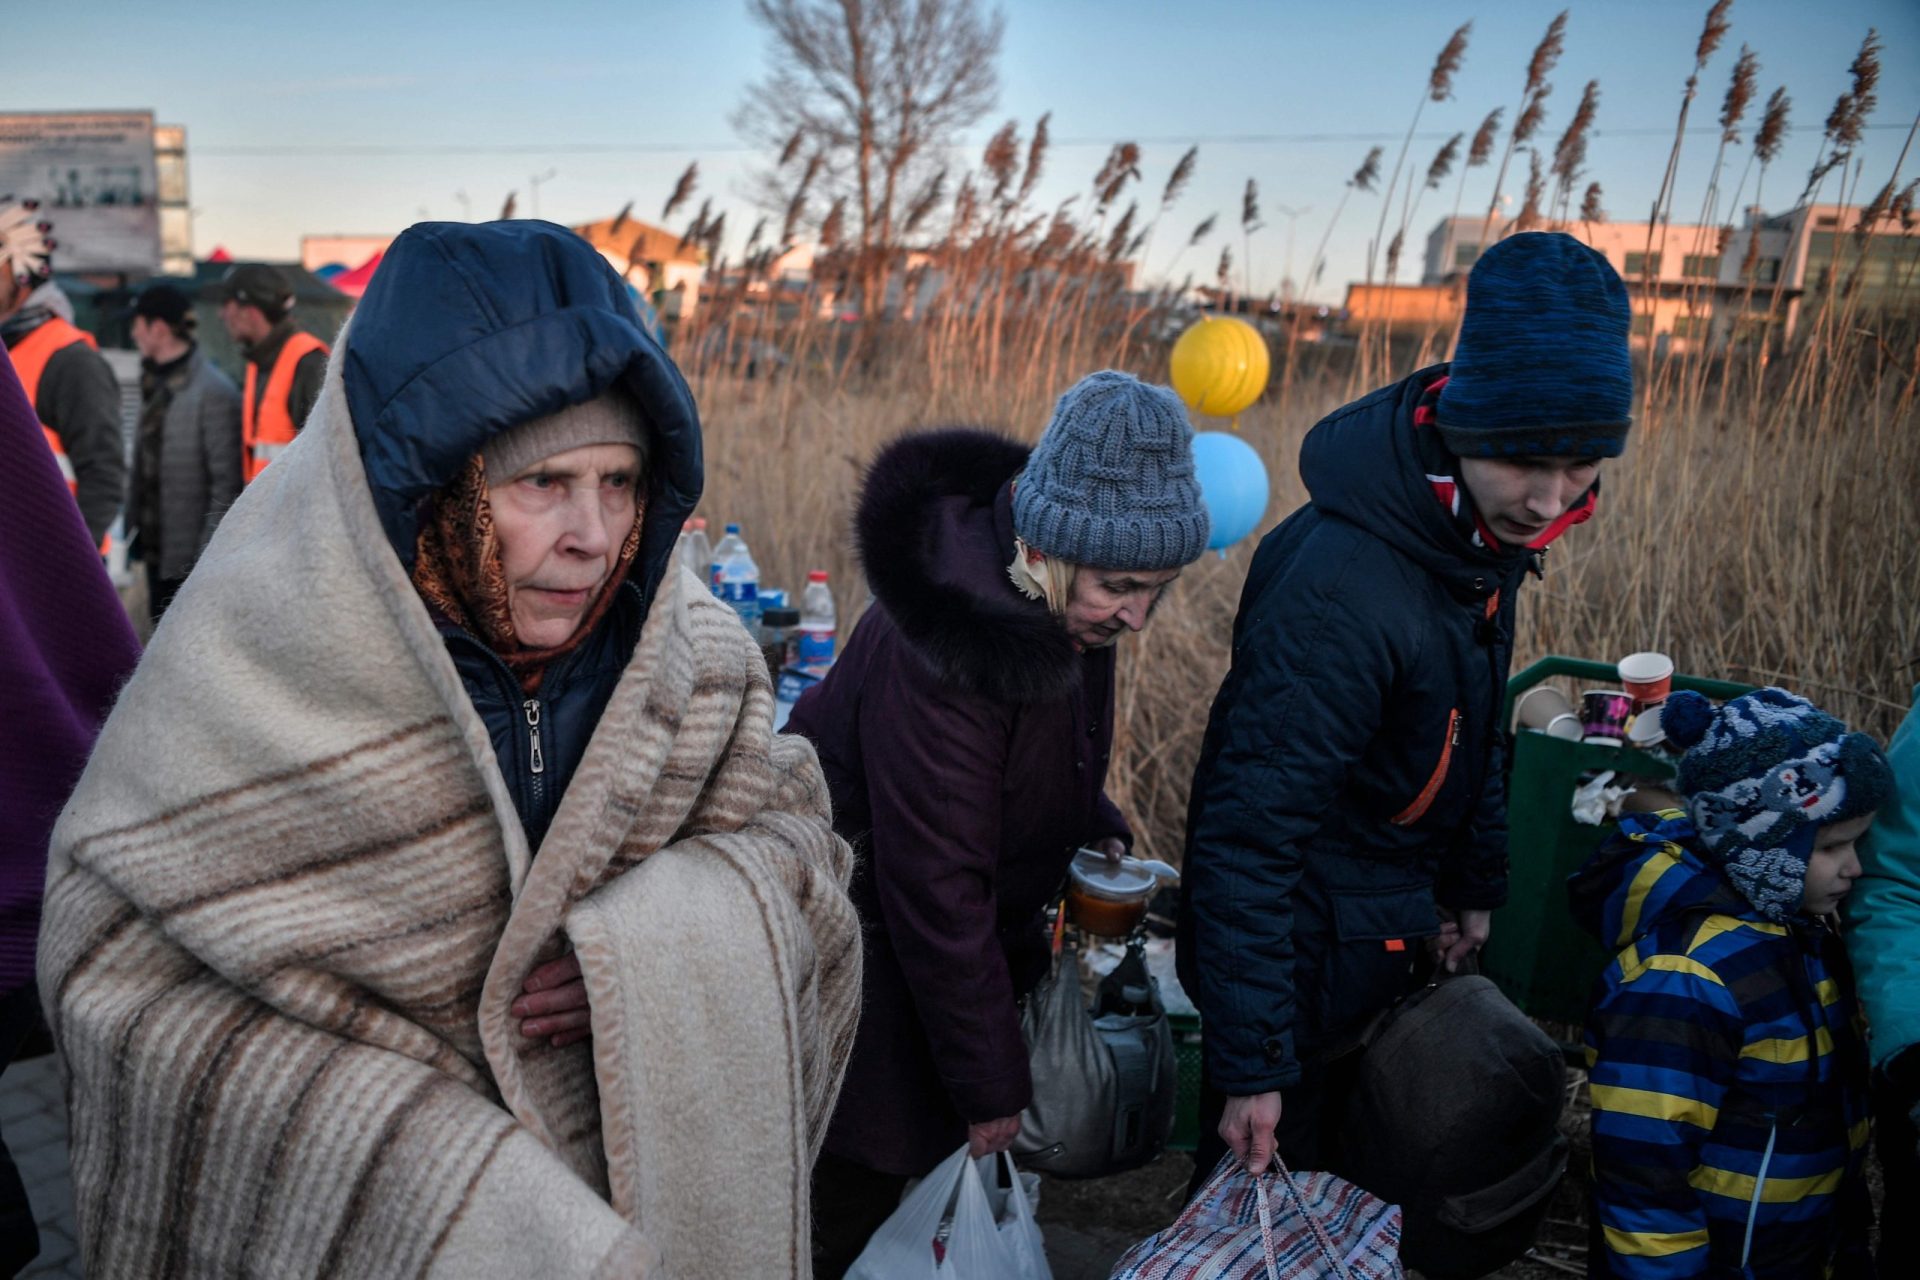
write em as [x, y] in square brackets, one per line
[1050, 580]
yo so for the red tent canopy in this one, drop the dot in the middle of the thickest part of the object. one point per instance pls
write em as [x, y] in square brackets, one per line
[354, 283]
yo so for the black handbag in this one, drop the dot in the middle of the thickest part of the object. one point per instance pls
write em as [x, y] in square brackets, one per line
[1455, 1116]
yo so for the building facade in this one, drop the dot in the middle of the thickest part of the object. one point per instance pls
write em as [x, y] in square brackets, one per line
[1692, 286]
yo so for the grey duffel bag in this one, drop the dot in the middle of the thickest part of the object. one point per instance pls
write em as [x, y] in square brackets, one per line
[1103, 1079]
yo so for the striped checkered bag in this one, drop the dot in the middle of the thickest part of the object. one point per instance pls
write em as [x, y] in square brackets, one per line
[1279, 1226]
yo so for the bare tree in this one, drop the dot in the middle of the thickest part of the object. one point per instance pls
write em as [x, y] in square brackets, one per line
[878, 88]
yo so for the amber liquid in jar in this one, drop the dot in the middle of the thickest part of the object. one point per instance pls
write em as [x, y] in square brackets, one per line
[1104, 917]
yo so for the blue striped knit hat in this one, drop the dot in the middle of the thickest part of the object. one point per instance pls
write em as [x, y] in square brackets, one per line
[1541, 369]
[1761, 774]
[1111, 483]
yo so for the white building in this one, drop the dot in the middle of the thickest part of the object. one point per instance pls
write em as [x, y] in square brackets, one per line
[1695, 286]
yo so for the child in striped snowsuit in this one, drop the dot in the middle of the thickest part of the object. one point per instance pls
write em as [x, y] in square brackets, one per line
[1726, 1059]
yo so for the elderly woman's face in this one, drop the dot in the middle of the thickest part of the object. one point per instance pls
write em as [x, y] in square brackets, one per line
[560, 524]
[1106, 603]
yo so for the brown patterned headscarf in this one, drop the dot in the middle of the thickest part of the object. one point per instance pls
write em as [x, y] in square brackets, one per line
[457, 570]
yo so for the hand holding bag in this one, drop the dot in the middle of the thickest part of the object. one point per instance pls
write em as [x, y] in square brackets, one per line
[946, 1229]
[1278, 1226]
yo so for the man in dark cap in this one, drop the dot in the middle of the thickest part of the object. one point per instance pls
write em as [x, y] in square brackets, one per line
[1349, 809]
[186, 455]
[285, 366]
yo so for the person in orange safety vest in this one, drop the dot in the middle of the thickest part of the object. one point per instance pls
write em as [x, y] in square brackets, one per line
[73, 390]
[285, 365]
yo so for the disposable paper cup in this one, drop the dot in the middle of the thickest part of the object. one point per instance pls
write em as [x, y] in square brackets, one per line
[1646, 733]
[1647, 677]
[1565, 725]
[1604, 714]
[1540, 706]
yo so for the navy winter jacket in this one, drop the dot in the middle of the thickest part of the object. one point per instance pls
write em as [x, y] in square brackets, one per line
[538, 321]
[1351, 773]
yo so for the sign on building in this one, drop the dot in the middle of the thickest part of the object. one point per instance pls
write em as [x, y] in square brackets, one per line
[93, 173]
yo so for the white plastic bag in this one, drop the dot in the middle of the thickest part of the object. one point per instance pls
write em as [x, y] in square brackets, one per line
[947, 1228]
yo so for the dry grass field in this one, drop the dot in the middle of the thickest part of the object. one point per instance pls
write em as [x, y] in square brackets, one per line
[1772, 547]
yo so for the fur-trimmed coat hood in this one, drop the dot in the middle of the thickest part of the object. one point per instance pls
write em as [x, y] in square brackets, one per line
[965, 742]
[935, 533]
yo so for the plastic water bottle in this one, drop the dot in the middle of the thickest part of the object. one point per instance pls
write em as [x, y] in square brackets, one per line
[740, 581]
[697, 552]
[816, 621]
[728, 545]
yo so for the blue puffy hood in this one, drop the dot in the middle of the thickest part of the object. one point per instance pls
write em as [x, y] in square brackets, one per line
[1362, 463]
[469, 329]
[1646, 874]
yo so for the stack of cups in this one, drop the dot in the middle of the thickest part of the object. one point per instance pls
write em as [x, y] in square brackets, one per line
[1546, 709]
[1647, 679]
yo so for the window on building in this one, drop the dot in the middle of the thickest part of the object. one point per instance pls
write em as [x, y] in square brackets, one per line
[1767, 270]
[1701, 266]
[1826, 220]
[1639, 264]
[1642, 326]
[1465, 255]
[1690, 326]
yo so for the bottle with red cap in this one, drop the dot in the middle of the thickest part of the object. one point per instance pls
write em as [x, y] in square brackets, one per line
[817, 629]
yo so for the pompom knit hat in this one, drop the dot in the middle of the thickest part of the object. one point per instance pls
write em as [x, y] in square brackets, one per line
[1541, 369]
[1111, 483]
[1761, 774]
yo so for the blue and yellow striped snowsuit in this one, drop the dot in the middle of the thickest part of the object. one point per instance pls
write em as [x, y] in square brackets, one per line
[1727, 1069]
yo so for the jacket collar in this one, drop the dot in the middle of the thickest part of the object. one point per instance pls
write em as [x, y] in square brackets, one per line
[1363, 464]
[935, 534]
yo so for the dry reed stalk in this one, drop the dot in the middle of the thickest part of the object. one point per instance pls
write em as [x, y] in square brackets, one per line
[1533, 96]
[1712, 32]
[682, 190]
[1439, 88]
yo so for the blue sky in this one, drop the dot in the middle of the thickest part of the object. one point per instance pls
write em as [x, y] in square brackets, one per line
[362, 117]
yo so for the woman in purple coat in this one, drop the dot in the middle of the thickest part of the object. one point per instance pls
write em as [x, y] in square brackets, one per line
[965, 734]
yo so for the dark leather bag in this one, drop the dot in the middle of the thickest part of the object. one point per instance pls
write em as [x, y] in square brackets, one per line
[1455, 1117]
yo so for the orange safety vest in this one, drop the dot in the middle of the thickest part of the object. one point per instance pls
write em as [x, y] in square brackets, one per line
[30, 358]
[268, 430]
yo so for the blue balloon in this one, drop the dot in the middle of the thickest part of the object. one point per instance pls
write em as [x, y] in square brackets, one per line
[1233, 484]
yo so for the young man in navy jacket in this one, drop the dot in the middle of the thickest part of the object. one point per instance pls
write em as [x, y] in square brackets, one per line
[1349, 806]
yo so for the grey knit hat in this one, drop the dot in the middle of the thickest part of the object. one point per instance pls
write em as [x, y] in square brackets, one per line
[612, 417]
[1111, 484]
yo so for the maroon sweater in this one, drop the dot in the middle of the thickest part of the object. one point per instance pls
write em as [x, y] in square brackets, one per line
[65, 648]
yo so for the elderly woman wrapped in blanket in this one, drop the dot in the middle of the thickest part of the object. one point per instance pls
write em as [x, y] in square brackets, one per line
[439, 900]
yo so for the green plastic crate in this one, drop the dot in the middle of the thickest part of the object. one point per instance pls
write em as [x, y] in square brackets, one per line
[1186, 1097]
[1545, 962]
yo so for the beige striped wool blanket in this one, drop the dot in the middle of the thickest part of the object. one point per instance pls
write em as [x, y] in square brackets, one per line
[290, 902]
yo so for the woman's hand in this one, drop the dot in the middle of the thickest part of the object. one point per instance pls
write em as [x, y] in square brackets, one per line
[554, 1003]
[1247, 1125]
[992, 1136]
[1113, 846]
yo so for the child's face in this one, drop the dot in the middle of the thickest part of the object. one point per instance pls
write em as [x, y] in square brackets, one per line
[1834, 865]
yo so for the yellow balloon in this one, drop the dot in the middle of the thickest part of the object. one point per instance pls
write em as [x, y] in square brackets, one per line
[1219, 366]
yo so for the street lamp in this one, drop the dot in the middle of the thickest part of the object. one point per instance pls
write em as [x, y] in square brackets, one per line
[533, 188]
[1286, 271]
